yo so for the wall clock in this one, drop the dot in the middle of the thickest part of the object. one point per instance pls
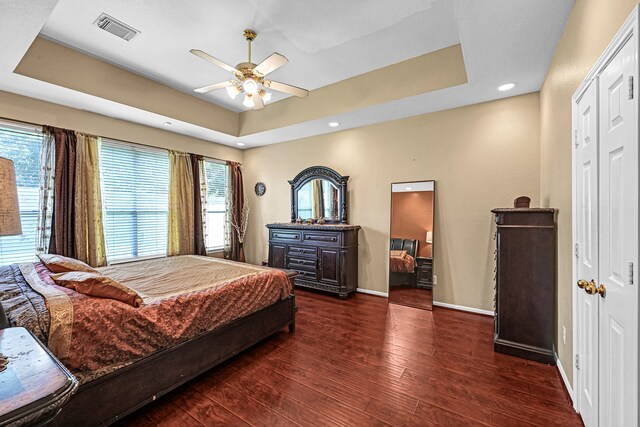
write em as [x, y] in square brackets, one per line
[260, 189]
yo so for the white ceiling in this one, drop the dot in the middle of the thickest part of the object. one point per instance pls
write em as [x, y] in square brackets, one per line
[326, 42]
[323, 46]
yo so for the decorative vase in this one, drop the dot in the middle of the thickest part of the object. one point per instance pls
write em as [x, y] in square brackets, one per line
[241, 252]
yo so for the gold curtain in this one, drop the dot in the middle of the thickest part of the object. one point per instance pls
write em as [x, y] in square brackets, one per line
[88, 227]
[181, 209]
[317, 198]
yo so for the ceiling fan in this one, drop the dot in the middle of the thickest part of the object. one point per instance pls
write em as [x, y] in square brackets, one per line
[250, 78]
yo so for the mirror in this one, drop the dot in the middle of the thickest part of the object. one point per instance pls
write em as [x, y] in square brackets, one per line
[318, 193]
[411, 246]
[318, 198]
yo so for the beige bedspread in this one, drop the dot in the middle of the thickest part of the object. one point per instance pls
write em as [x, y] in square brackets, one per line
[184, 297]
[163, 278]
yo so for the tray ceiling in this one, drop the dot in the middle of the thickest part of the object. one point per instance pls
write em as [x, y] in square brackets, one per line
[327, 43]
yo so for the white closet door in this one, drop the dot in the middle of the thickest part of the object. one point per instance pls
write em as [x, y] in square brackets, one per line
[618, 241]
[586, 121]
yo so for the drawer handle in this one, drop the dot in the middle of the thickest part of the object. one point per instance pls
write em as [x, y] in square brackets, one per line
[286, 236]
[301, 262]
[322, 238]
[305, 273]
[303, 251]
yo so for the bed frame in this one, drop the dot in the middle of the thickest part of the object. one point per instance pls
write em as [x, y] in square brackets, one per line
[115, 395]
[403, 279]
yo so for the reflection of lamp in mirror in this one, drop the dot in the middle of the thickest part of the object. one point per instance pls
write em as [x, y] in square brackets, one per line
[9, 210]
[429, 238]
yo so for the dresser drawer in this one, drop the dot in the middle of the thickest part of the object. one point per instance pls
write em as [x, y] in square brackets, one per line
[305, 264]
[305, 251]
[285, 235]
[320, 238]
[304, 274]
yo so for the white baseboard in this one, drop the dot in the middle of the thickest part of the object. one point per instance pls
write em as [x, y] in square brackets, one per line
[463, 308]
[566, 382]
[376, 293]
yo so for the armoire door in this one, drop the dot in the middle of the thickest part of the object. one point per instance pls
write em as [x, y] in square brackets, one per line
[587, 252]
[618, 221]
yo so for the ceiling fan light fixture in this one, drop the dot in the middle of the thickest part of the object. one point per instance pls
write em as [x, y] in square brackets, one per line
[233, 91]
[250, 86]
[266, 96]
[248, 101]
[250, 78]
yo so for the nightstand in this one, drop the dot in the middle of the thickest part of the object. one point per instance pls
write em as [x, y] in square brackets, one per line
[35, 385]
[424, 276]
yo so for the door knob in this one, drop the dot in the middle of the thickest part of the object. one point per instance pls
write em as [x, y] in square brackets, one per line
[591, 288]
[602, 290]
[582, 283]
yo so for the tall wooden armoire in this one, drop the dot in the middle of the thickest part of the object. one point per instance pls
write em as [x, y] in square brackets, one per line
[525, 283]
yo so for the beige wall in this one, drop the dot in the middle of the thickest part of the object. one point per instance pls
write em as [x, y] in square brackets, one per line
[31, 110]
[590, 28]
[481, 156]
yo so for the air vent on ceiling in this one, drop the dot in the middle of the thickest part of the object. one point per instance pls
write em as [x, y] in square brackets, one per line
[115, 27]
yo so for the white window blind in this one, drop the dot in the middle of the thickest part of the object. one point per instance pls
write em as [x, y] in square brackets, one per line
[216, 200]
[22, 144]
[135, 183]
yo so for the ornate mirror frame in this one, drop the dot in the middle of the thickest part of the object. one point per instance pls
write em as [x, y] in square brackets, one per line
[321, 172]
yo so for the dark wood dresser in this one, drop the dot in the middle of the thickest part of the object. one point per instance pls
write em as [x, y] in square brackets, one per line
[324, 256]
[525, 283]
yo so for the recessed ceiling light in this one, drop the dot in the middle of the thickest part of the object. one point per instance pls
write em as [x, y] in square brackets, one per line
[506, 86]
[408, 188]
[240, 144]
[334, 124]
[167, 123]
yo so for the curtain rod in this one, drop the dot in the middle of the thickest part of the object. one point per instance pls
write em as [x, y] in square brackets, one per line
[115, 139]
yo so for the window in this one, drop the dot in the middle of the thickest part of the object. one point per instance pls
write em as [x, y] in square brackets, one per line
[135, 183]
[216, 196]
[22, 144]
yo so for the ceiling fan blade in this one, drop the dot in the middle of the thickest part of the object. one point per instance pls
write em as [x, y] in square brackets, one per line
[258, 103]
[270, 64]
[215, 61]
[282, 87]
[216, 86]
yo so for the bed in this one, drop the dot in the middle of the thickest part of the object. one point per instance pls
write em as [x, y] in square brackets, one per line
[402, 267]
[197, 312]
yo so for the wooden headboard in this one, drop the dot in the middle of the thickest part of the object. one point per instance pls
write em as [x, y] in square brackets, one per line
[409, 245]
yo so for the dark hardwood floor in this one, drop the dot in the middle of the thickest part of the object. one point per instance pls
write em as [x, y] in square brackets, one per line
[363, 362]
[412, 297]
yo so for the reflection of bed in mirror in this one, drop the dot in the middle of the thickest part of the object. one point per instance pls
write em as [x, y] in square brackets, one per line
[402, 262]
